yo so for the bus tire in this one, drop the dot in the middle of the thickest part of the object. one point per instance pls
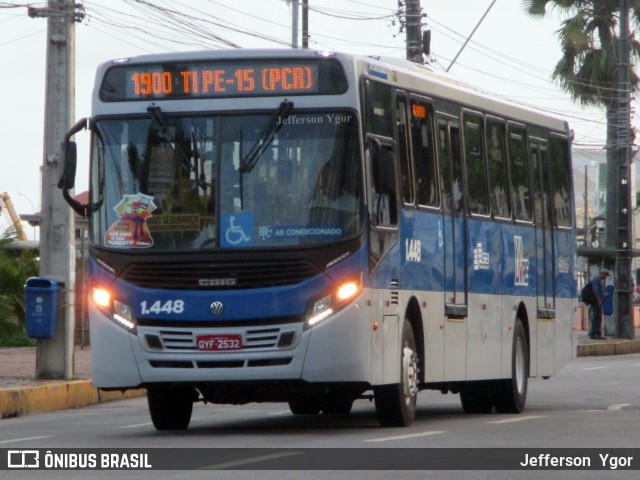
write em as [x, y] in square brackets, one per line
[509, 396]
[396, 404]
[170, 408]
[476, 399]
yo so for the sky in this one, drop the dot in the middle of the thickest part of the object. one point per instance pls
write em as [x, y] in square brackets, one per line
[510, 55]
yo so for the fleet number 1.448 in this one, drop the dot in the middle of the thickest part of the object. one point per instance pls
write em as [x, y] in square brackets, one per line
[157, 307]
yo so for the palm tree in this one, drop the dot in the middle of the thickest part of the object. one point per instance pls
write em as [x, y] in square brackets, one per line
[588, 69]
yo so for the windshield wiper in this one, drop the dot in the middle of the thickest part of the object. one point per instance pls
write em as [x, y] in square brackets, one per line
[266, 137]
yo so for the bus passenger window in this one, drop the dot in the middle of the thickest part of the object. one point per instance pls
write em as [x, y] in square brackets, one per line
[518, 159]
[378, 112]
[498, 178]
[424, 158]
[406, 180]
[478, 195]
[561, 182]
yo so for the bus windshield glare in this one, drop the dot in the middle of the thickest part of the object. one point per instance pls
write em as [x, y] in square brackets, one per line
[175, 182]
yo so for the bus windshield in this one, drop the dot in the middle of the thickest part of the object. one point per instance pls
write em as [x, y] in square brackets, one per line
[167, 182]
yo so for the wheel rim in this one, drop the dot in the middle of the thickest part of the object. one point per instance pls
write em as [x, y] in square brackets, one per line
[520, 366]
[409, 374]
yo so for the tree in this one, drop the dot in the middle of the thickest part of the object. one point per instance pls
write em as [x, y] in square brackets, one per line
[15, 269]
[588, 69]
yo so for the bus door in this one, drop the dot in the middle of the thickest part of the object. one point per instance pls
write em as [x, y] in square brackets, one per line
[453, 248]
[545, 266]
[454, 219]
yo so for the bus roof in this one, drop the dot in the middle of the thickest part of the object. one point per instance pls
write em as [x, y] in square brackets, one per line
[403, 73]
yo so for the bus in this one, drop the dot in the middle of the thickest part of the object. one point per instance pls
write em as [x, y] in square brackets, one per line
[315, 228]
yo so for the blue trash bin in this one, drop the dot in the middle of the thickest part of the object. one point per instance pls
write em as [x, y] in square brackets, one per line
[41, 296]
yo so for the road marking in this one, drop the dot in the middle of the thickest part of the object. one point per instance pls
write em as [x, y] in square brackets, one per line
[402, 437]
[519, 419]
[595, 368]
[137, 425]
[26, 439]
[247, 461]
[618, 406]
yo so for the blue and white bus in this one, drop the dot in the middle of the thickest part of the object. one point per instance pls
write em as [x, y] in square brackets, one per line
[307, 227]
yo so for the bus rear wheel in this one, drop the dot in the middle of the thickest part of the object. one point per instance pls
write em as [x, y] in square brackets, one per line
[396, 404]
[509, 396]
[170, 407]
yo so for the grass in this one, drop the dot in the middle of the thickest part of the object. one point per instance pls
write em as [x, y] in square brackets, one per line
[16, 338]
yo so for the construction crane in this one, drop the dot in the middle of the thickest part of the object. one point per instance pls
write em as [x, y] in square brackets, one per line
[7, 211]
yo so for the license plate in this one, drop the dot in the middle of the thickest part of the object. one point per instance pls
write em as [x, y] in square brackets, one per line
[217, 343]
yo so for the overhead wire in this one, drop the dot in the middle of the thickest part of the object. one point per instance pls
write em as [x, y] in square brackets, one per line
[169, 25]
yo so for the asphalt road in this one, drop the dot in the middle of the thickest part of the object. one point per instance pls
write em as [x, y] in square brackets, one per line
[593, 403]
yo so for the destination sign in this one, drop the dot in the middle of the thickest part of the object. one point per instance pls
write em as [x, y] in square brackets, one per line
[221, 79]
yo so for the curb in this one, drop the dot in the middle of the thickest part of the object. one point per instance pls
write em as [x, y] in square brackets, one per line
[19, 401]
[620, 347]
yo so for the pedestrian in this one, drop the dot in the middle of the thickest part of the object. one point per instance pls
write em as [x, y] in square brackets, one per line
[597, 283]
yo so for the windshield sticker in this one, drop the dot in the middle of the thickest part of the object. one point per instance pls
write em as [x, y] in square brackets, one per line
[238, 230]
[174, 223]
[131, 230]
[267, 233]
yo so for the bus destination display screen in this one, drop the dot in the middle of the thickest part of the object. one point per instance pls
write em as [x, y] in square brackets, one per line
[221, 79]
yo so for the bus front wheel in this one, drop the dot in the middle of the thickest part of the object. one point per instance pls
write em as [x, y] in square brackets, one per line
[509, 396]
[396, 404]
[170, 407]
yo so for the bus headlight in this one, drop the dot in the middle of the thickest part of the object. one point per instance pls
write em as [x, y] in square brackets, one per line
[117, 311]
[323, 307]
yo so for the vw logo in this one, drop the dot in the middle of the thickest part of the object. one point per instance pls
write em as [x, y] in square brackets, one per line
[217, 308]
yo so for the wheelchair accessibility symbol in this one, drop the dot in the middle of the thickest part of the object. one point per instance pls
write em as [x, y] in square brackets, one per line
[238, 230]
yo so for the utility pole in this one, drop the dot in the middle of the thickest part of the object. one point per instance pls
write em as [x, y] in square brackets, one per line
[294, 23]
[54, 357]
[413, 23]
[623, 299]
[305, 23]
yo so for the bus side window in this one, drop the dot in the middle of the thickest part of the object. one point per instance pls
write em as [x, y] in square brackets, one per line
[406, 177]
[560, 165]
[477, 191]
[424, 158]
[498, 174]
[518, 158]
[383, 175]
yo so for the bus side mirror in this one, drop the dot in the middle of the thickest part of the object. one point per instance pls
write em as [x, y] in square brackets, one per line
[68, 179]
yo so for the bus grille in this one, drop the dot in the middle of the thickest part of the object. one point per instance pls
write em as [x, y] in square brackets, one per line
[220, 274]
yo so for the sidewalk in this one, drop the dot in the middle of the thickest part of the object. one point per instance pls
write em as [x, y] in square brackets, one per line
[22, 394]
